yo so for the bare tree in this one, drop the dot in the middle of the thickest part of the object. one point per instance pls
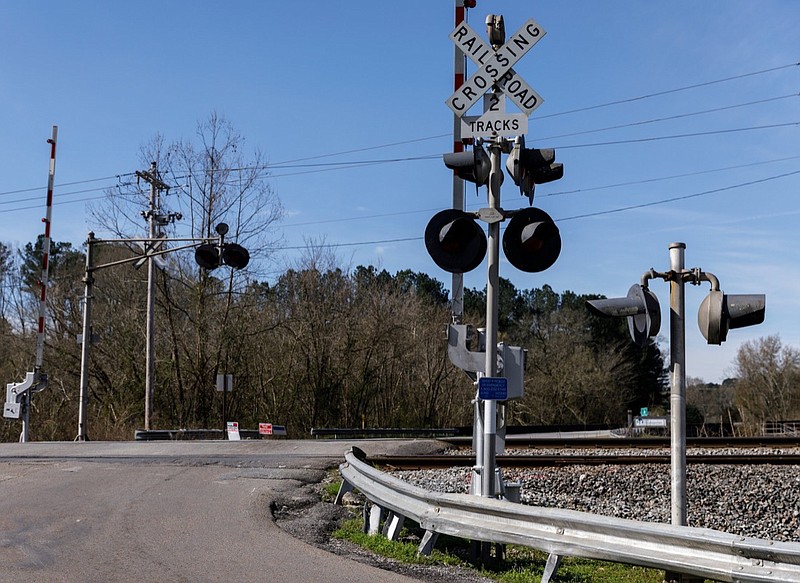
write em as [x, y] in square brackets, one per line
[768, 386]
[212, 181]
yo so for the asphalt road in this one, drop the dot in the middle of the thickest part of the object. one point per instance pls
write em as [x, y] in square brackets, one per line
[168, 511]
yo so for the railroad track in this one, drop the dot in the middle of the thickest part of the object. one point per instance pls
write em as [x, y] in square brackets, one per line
[531, 441]
[543, 461]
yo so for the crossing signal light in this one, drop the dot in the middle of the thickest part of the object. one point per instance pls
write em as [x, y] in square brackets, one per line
[234, 255]
[455, 242]
[532, 241]
[721, 312]
[529, 167]
[208, 256]
[473, 166]
[640, 307]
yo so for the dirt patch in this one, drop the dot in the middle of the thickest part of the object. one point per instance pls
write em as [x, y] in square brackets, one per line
[308, 519]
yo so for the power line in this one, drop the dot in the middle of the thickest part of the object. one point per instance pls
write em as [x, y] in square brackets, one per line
[340, 165]
[439, 136]
[586, 215]
[669, 118]
[677, 198]
[61, 185]
[670, 91]
[549, 194]
[671, 176]
[680, 136]
[329, 166]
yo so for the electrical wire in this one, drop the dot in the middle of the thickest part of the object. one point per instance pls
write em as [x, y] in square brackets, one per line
[549, 194]
[679, 136]
[321, 167]
[669, 118]
[677, 198]
[439, 136]
[583, 216]
[325, 167]
[671, 91]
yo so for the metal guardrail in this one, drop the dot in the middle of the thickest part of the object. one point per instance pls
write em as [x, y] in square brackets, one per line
[194, 434]
[372, 433]
[694, 551]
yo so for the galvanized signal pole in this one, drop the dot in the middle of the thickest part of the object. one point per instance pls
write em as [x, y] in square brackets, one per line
[717, 314]
[86, 339]
[492, 310]
[457, 244]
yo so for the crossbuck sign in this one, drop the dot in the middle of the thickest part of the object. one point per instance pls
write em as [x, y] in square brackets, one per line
[495, 68]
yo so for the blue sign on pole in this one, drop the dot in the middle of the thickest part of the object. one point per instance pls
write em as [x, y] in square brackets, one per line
[493, 388]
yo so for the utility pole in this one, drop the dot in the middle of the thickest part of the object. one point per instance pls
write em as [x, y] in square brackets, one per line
[155, 220]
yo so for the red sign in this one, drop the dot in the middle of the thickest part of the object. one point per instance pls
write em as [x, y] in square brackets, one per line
[265, 428]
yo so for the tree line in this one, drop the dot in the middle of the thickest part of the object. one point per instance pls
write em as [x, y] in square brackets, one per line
[314, 344]
[319, 347]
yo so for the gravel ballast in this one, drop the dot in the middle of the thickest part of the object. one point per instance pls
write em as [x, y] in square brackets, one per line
[760, 501]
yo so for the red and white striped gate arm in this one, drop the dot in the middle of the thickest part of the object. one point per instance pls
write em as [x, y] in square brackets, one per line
[46, 250]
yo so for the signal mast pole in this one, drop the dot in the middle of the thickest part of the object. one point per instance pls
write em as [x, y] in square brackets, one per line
[41, 378]
[457, 293]
[489, 461]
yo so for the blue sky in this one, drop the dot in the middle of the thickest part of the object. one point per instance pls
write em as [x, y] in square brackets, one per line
[305, 79]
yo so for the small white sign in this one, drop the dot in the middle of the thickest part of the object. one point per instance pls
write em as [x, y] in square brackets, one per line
[265, 428]
[492, 125]
[490, 215]
[233, 431]
[650, 421]
[11, 410]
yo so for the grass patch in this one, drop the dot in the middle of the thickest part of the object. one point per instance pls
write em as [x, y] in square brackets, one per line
[330, 488]
[524, 565]
[403, 550]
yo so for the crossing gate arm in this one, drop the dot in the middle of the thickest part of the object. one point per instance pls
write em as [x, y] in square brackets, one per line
[694, 551]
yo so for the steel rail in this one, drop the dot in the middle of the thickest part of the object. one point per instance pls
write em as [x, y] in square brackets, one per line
[634, 442]
[536, 461]
[695, 551]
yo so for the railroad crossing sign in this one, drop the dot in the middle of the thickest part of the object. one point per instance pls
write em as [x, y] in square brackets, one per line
[495, 68]
[494, 122]
[149, 250]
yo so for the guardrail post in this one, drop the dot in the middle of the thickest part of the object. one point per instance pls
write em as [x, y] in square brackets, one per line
[344, 488]
[373, 524]
[393, 526]
[550, 568]
[428, 542]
